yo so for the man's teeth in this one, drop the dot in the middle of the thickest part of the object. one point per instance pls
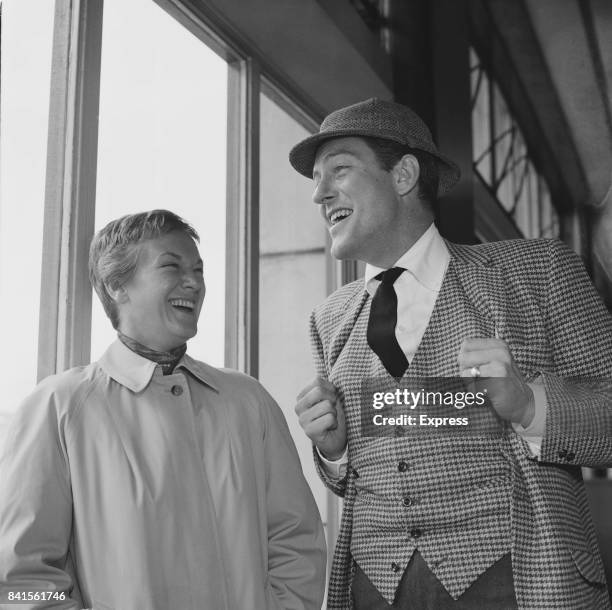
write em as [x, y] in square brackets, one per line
[182, 303]
[339, 215]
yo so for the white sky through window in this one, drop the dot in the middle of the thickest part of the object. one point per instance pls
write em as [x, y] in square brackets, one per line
[162, 144]
[27, 37]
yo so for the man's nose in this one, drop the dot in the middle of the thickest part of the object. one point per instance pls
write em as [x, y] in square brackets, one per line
[324, 192]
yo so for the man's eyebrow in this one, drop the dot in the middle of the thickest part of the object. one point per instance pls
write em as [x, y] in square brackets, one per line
[335, 153]
[330, 155]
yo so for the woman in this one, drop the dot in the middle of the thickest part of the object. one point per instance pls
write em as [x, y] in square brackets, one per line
[149, 479]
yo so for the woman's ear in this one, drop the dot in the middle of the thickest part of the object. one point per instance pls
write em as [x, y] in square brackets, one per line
[119, 295]
[406, 174]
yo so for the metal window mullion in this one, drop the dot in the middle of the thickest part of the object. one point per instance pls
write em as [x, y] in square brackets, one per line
[65, 302]
[242, 285]
[476, 92]
[492, 128]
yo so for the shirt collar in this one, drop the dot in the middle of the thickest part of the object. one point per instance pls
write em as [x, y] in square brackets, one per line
[135, 372]
[427, 260]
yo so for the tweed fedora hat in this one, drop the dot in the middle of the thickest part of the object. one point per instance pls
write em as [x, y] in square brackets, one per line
[379, 119]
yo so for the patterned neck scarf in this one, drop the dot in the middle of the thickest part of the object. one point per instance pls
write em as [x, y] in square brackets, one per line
[167, 360]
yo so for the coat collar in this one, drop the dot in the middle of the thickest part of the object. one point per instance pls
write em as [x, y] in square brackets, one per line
[135, 372]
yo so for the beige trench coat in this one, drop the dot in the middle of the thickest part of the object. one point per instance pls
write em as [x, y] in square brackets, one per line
[131, 490]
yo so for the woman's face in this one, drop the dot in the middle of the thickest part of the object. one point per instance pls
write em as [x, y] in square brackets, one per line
[160, 305]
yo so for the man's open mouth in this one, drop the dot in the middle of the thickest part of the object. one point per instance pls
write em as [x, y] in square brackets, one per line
[339, 215]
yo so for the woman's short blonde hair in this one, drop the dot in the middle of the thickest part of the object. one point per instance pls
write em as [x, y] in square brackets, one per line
[113, 253]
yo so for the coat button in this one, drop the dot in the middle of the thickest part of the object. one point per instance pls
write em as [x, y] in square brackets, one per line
[407, 501]
[396, 568]
[416, 532]
[570, 456]
[563, 453]
[177, 390]
[402, 466]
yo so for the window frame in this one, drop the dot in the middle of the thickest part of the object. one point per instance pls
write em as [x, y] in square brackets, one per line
[69, 208]
[514, 215]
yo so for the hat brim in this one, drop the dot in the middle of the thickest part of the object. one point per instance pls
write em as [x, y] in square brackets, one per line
[302, 155]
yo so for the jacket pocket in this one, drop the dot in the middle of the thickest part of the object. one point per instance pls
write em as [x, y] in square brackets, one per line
[589, 566]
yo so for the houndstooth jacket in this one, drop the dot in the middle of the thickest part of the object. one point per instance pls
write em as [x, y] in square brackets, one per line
[536, 296]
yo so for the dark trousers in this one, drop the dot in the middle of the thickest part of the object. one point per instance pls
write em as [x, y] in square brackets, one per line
[419, 589]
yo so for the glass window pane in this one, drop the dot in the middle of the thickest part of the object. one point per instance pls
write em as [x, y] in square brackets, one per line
[534, 202]
[292, 274]
[27, 38]
[503, 150]
[555, 228]
[162, 144]
[521, 211]
[518, 187]
[481, 122]
[549, 216]
[519, 169]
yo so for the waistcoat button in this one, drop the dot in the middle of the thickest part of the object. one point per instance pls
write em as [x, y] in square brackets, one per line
[395, 567]
[416, 532]
[402, 466]
[407, 501]
[177, 390]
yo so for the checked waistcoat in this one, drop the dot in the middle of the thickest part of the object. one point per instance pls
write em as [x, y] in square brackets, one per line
[535, 296]
[450, 497]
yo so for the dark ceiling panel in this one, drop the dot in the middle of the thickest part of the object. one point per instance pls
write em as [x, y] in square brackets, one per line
[572, 58]
[301, 48]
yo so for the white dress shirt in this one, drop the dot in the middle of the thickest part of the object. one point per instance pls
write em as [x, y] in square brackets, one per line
[417, 289]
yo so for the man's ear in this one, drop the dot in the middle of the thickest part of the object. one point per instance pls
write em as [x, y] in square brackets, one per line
[119, 295]
[406, 174]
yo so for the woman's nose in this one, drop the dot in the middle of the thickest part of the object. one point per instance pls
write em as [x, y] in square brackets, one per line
[193, 279]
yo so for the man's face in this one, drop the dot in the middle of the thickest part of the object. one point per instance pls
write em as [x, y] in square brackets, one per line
[358, 201]
[160, 305]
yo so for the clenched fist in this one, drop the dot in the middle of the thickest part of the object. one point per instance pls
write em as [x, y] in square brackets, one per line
[506, 387]
[321, 415]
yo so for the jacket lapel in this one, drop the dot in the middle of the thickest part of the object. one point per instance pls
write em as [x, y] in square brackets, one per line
[347, 320]
[483, 283]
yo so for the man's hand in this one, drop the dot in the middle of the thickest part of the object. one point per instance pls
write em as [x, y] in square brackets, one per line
[508, 391]
[321, 415]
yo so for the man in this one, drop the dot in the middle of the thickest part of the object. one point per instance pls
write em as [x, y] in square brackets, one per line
[149, 480]
[451, 520]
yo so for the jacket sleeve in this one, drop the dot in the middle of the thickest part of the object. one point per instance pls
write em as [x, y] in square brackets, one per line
[337, 486]
[578, 427]
[296, 541]
[36, 506]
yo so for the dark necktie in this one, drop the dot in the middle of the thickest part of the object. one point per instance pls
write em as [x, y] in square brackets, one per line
[381, 325]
